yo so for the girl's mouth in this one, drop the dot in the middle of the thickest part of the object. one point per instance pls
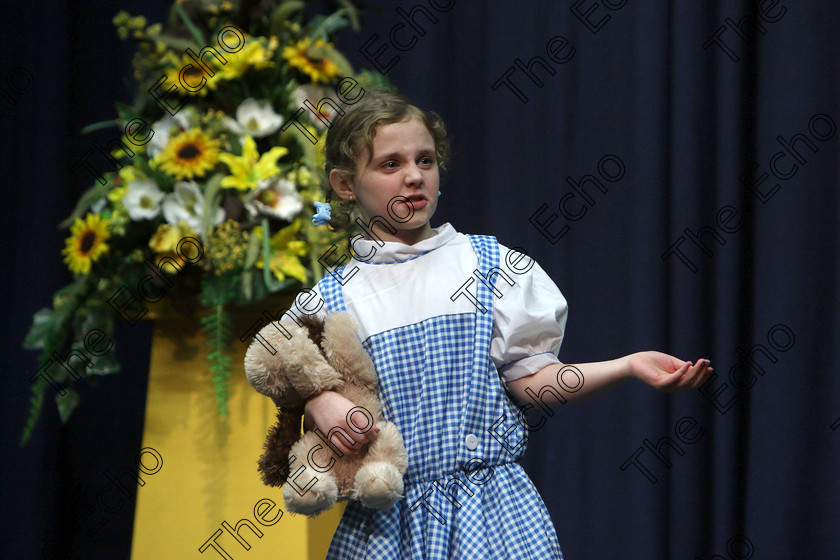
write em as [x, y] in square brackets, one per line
[417, 201]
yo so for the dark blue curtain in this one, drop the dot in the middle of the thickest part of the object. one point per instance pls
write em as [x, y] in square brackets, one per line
[672, 165]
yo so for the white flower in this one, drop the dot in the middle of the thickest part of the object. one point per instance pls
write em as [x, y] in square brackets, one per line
[275, 197]
[186, 204]
[254, 118]
[142, 199]
[166, 128]
[315, 94]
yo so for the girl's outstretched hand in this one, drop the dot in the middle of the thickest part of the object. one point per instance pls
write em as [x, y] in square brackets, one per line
[668, 373]
[330, 410]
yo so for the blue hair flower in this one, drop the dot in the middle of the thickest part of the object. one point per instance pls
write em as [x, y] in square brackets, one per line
[323, 215]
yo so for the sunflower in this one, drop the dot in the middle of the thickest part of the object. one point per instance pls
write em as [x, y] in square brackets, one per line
[309, 58]
[86, 243]
[189, 155]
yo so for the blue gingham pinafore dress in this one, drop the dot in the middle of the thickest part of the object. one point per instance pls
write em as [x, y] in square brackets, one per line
[465, 496]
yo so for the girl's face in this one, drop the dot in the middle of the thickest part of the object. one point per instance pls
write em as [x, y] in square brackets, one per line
[402, 175]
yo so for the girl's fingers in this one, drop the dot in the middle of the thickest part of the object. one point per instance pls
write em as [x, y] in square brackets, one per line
[671, 381]
[688, 375]
[344, 449]
[701, 379]
[704, 374]
[372, 433]
[359, 441]
[694, 369]
[697, 374]
[682, 373]
[684, 376]
[345, 445]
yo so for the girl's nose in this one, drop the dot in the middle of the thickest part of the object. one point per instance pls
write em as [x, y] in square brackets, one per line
[413, 175]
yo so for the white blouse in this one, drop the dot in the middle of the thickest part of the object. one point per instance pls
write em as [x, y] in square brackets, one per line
[389, 284]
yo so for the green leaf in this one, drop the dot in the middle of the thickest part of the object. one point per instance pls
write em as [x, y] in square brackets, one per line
[283, 12]
[126, 112]
[67, 403]
[374, 80]
[258, 287]
[253, 250]
[216, 292]
[36, 403]
[43, 322]
[270, 283]
[88, 198]
[100, 125]
[352, 13]
[70, 290]
[177, 44]
[163, 180]
[217, 328]
[323, 27]
[343, 64]
[283, 284]
[97, 318]
[194, 31]
[247, 285]
[212, 196]
[73, 297]
[105, 364]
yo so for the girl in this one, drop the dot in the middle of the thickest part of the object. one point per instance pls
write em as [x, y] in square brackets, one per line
[463, 332]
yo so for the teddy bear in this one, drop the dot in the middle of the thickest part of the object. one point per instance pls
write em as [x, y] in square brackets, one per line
[291, 363]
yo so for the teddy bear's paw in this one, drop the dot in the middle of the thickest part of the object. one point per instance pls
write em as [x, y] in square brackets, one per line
[378, 485]
[315, 500]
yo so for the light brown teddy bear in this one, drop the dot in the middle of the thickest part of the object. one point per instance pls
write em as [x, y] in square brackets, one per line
[319, 356]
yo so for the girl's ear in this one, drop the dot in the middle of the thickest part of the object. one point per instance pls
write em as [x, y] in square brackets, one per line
[341, 184]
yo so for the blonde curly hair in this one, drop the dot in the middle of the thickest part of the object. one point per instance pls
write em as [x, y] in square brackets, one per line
[352, 132]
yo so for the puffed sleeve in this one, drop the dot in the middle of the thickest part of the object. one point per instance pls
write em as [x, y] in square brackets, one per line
[529, 318]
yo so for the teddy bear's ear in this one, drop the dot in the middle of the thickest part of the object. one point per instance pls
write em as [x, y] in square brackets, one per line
[274, 463]
[314, 326]
[264, 357]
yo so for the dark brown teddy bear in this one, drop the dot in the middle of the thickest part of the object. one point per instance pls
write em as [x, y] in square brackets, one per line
[319, 356]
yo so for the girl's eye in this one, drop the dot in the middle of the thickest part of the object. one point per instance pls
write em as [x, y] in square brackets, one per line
[426, 161]
[390, 165]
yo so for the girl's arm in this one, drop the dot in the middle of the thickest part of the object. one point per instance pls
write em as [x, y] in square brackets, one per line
[558, 383]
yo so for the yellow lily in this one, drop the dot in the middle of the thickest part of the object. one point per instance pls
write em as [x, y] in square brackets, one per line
[250, 168]
[286, 251]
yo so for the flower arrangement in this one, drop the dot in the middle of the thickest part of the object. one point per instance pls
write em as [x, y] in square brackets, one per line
[208, 193]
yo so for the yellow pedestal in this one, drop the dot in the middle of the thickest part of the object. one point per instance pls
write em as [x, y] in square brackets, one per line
[209, 473]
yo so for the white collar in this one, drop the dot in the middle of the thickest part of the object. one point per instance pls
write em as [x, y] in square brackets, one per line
[391, 252]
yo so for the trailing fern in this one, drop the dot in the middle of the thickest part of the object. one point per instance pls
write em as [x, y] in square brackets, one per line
[216, 292]
[219, 230]
[36, 403]
[49, 332]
